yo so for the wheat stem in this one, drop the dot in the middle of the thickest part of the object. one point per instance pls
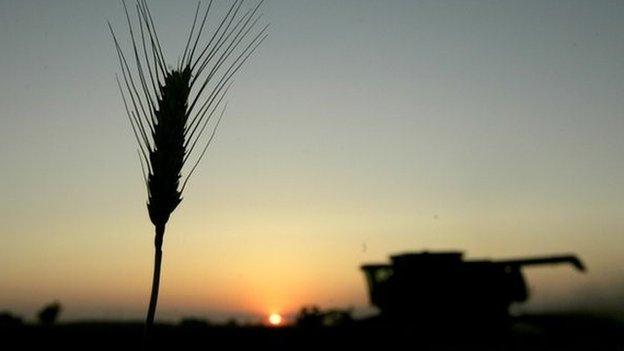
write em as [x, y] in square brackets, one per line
[151, 310]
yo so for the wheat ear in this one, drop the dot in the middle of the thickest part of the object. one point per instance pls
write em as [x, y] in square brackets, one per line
[171, 109]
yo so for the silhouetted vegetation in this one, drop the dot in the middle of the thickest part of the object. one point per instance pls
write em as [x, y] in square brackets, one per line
[192, 322]
[531, 332]
[7, 320]
[232, 323]
[313, 317]
[309, 317]
[50, 313]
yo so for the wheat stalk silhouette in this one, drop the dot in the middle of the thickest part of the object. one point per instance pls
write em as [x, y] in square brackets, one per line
[172, 109]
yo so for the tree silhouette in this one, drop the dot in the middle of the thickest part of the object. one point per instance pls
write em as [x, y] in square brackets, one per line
[49, 313]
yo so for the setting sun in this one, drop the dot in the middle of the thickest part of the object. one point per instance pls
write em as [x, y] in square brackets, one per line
[275, 319]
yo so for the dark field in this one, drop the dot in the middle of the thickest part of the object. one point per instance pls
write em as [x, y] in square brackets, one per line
[537, 332]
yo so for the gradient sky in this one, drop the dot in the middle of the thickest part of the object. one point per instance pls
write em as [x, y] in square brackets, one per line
[360, 129]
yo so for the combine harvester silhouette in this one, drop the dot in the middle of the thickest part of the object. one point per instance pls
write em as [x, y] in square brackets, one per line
[443, 289]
